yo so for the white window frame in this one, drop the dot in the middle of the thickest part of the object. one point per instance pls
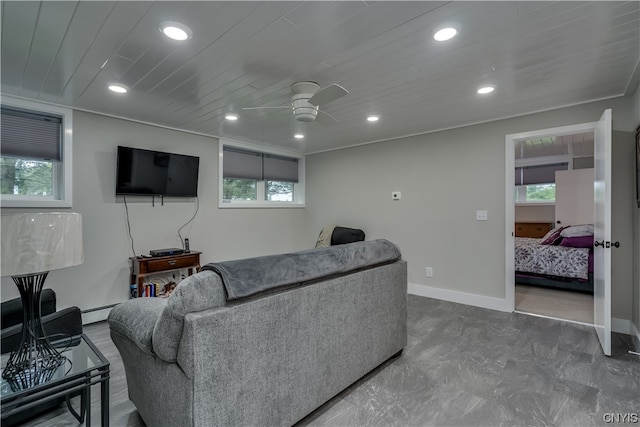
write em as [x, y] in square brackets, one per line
[62, 172]
[261, 202]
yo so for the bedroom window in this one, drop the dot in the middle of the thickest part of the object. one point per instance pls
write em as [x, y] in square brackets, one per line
[535, 193]
[35, 154]
[251, 178]
[536, 183]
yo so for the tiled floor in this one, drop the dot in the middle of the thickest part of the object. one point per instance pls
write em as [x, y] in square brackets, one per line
[463, 366]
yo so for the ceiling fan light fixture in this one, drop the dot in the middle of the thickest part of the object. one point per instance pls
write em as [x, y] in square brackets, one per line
[445, 34]
[231, 117]
[176, 30]
[118, 88]
[373, 118]
[485, 90]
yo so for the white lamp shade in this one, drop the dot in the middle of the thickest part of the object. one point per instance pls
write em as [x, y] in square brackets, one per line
[40, 242]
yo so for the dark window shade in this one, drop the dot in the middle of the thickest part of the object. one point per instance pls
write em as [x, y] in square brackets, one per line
[280, 168]
[241, 164]
[30, 135]
[542, 174]
[245, 164]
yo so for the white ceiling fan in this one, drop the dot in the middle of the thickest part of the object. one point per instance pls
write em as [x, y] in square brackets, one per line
[307, 99]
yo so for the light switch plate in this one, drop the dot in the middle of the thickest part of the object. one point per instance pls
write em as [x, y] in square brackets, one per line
[396, 195]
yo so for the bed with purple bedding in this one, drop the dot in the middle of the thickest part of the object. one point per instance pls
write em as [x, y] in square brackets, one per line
[557, 264]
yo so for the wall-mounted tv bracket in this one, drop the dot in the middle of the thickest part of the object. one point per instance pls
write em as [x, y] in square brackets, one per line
[153, 200]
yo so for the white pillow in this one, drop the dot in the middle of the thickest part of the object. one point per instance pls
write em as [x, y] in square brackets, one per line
[578, 231]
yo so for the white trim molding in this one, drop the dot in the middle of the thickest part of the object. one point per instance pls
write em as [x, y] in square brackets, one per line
[510, 141]
[459, 297]
[97, 315]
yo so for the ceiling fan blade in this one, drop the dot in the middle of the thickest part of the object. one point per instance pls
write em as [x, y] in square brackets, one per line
[264, 108]
[328, 94]
[325, 119]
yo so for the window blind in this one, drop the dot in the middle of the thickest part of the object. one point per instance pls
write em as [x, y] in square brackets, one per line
[245, 164]
[280, 168]
[30, 135]
[241, 164]
[540, 174]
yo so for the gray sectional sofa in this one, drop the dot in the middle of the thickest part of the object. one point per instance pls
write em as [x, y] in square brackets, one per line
[263, 341]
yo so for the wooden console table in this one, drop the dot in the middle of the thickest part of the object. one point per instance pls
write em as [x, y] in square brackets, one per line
[145, 266]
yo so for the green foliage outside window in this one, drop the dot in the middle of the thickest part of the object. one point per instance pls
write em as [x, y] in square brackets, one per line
[281, 191]
[26, 177]
[541, 192]
[239, 189]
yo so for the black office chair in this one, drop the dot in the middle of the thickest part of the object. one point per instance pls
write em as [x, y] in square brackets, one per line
[56, 324]
[332, 235]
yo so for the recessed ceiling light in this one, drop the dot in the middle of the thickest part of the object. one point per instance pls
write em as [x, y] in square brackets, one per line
[486, 89]
[445, 34]
[373, 118]
[298, 136]
[232, 117]
[176, 30]
[118, 88]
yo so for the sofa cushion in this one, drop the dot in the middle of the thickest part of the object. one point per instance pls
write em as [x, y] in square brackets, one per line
[247, 277]
[199, 292]
[136, 318]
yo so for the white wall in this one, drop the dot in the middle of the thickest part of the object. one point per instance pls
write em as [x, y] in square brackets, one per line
[444, 178]
[574, 197]
[636, 223]
[544, 213]
[220, 234]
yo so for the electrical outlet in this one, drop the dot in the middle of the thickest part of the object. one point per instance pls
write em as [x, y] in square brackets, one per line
[482, 215]
[396, 195]
[429, 271]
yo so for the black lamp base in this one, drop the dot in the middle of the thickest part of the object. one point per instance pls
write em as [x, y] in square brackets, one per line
[35, 361]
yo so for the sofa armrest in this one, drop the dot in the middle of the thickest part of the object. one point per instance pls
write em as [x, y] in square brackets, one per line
[58, 325]
[136, 318]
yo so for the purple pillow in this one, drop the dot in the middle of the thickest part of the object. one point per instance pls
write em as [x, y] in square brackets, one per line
[578, 242]
[552, 237]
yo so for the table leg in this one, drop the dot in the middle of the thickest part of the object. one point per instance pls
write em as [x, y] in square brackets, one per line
[104, 396]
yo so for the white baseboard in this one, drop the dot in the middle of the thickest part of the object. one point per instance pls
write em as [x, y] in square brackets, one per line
[94, 316]
[459, 297]
[622, 326]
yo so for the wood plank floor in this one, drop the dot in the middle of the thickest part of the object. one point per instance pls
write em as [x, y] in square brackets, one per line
[463, 366]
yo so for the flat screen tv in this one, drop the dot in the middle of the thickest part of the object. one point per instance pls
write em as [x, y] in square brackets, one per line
[154, 173]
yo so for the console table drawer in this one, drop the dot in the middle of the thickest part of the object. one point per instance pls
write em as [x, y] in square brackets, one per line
[155, 265]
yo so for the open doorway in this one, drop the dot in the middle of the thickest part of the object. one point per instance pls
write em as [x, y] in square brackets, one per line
[601, 227]
[553, 216]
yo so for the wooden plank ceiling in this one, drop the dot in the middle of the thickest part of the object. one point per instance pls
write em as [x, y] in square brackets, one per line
[538, 55]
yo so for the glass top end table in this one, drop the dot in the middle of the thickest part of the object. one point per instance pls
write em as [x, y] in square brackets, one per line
[83, 366]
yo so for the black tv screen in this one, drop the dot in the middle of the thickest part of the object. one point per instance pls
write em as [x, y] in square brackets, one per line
[154, 173]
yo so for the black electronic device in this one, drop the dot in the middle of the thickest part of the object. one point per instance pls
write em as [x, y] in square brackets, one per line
[155, 173]
[166, 252]
[186, 245]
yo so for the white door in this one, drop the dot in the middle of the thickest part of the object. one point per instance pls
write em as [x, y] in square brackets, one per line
[602, 223]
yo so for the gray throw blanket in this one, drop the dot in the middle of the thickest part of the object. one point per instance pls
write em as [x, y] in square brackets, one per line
[246, 277]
